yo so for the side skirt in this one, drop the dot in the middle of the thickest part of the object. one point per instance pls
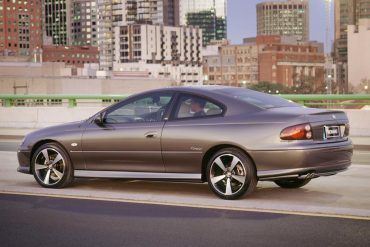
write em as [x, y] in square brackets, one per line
[139, 175]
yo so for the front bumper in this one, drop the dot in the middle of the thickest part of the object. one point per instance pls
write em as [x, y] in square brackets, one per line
[310, 162]
[24, 161]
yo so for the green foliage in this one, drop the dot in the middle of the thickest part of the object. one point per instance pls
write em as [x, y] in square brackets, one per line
[269, 87]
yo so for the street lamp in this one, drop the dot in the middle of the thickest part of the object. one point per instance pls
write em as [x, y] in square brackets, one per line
[366, 87]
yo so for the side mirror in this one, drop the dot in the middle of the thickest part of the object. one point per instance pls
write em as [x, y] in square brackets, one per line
[99, 120]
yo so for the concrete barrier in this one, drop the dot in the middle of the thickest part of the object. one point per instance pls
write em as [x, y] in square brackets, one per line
[39, 117]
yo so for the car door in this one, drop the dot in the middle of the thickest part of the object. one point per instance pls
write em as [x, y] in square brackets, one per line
[186, 136]
[128, 135]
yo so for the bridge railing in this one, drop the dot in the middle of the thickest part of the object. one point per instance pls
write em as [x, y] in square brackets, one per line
[347, 101]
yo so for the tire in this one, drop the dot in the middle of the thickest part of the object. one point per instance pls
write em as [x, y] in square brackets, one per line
[51, 166]
[231, 174]
[292, 183]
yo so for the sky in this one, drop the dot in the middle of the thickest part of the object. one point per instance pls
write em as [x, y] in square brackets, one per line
[241, 18]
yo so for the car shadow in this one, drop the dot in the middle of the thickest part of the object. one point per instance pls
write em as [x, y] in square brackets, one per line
[264, 192]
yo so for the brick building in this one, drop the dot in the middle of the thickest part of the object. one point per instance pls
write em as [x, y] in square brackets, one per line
[20, 27]
[76, 56]
[289, 63]
[232, 65]
[276, 59]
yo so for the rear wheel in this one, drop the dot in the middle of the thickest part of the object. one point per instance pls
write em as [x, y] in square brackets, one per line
[292, 183]
[231, 174]
[51, 166]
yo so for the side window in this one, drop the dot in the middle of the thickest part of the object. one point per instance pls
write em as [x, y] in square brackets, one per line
[190, 106]
[149, 108]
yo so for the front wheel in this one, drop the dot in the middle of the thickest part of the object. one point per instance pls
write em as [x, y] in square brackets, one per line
[231, 174]
[51, 166]
[292, 183]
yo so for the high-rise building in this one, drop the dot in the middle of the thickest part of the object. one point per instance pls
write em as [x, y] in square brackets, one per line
[347, 12]
[84, 23]
[56, 22]
[213, 27]
[114, 14]
[171, 12]
[289, 18]
[173, 52]
[20, 27]
[190, 6]
[209, 15]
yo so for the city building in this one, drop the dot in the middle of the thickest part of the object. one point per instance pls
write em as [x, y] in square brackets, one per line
[288, 18]
[84, 23]
[163, 12]
[347, 12]
[157, 50]
[171, 12]
[359, 55]
[275, 59]
[191, 6]
[20, 27]
[76, 56]
[209, 15]
[56, 16]
[213, 27]
[114, 14]
[233, 65]
[292, 64]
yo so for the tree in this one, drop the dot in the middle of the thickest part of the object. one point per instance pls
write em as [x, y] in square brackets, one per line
[269, 87]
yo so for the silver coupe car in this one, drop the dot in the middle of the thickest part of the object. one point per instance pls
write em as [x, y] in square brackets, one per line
[229, 137]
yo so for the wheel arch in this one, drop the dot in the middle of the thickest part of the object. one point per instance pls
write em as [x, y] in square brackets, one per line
[207, 156]
[39, 144]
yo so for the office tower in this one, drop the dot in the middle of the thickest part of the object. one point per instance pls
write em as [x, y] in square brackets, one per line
[213, 27]
[289, 18]
[209, 15]
[84, 23]
[56, 22]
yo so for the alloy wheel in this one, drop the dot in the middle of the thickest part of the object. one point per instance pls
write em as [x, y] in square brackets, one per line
[49, 166]
[227, 174]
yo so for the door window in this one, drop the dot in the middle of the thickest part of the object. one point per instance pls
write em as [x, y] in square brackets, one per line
[148, 108]
[190, 106]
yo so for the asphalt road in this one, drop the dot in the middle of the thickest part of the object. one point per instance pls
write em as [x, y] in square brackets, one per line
[45, 221]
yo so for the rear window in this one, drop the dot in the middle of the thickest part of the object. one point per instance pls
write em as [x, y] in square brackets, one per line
[258, 99]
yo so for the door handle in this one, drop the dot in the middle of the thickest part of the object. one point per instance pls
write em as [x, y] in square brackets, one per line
[151, 134]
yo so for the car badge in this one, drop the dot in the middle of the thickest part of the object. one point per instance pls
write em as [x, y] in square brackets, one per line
[74, 144]
[333, 116]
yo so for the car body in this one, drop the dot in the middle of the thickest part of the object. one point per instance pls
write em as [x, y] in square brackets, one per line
[237, 137]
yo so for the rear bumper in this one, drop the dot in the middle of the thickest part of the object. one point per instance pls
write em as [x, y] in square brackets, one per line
[319, 160]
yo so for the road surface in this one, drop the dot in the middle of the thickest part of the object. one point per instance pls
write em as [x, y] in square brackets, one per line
[44, 221]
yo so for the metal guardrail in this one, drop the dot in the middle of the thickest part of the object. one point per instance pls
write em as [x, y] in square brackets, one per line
[317, 100]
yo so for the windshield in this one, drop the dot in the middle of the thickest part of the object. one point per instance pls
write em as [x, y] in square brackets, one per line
[258, 99]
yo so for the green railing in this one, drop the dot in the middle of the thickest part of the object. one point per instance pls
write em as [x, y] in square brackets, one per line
[315, 100]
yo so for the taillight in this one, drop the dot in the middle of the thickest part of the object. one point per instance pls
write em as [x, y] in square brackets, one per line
[297, 132]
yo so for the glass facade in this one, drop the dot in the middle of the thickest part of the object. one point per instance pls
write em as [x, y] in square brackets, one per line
[213, 27]
[208, 15]
[290, 18]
